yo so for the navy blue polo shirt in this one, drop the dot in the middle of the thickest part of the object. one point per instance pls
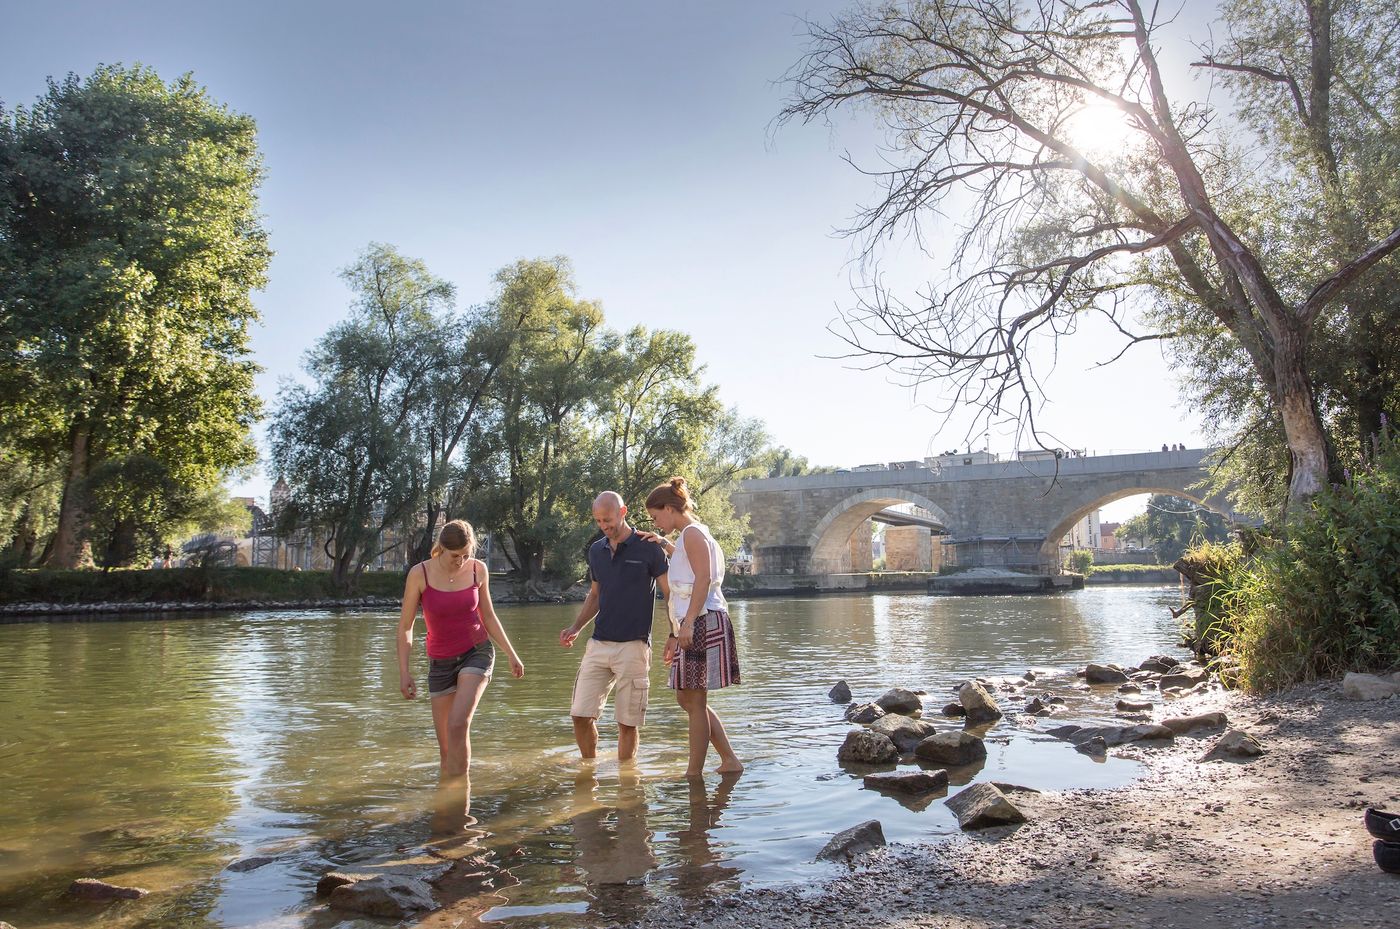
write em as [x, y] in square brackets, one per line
[626, 582]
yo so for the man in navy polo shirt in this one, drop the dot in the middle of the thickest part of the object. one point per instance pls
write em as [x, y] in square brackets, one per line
[625, 570]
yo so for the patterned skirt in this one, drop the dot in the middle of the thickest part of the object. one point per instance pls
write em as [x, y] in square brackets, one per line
[712, 661]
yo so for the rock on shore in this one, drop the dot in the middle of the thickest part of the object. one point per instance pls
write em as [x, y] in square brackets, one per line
[851, 842]
[983, 805]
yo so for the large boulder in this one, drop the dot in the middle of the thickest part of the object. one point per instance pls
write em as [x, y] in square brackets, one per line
[863, 746]
[909, 782]
[906, 733]
[841, 693]
[1105, 674]
[1369, 686]
[391, 896]
[1185, 678]
[89, 888]
[851, 842]
[979, 706]
[980, 806]
[951, 748]
[899, 700]
[1162, 664]
[1235, 744]
[1180, 725]
[863, 713]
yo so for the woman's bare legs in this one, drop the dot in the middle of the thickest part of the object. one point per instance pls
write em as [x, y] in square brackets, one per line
[452, 719]
[705, 728]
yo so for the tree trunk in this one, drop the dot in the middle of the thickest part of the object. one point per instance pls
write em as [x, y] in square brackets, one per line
[1302, 427]
[67, 547]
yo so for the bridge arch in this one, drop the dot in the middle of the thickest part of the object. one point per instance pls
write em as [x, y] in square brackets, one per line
[830, 538]
[1050, 548]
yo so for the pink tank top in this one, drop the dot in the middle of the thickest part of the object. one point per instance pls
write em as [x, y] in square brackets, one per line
[453, 618]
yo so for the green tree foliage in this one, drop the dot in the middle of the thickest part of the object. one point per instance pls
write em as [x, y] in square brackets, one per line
[1170, 525]
[528, 476]
[346, 445]
[1317, 87]
[129, 243]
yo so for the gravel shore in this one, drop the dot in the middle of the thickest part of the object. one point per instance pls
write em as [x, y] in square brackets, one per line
[1276, 841]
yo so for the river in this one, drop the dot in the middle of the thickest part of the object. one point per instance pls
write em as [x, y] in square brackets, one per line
[155, 752]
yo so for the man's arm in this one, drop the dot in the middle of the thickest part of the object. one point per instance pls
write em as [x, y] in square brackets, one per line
[586, 614]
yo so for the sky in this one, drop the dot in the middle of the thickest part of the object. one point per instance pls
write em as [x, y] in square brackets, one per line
[636, 138]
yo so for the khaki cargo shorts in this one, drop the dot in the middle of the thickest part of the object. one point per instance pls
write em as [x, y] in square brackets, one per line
[625, 664]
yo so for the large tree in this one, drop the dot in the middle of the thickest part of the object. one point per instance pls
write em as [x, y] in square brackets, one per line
[130, 240]
[526, 477]
[346, 445]
[999, 102]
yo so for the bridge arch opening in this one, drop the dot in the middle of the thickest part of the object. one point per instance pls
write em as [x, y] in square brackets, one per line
[1050, 548]
[830, 540]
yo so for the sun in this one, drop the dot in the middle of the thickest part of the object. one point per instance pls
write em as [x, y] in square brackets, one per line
[1100, 130]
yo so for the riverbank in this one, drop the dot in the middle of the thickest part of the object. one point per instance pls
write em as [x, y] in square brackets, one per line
[27, 596]
[1276, 841]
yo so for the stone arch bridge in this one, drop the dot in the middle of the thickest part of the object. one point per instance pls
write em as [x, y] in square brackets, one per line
[999, 514]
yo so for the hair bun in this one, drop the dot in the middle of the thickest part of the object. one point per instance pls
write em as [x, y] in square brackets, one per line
[678, 484]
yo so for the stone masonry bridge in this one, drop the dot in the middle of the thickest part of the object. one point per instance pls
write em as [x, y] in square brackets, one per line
[1009, 514]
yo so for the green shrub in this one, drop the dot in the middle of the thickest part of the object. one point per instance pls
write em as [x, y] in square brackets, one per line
[1321, 601]
[1080, 561]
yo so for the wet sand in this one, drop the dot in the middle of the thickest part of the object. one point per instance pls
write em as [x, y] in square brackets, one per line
[1276, 841]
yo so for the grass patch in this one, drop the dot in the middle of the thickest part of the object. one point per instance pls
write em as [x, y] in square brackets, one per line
[1124, 570]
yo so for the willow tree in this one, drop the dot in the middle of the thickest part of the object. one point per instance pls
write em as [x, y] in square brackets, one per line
[1086, 186]
[130, 240]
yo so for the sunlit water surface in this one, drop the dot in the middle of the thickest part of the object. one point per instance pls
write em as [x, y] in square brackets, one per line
[156, 752]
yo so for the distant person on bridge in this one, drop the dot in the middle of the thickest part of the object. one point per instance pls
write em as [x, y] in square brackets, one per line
[701, 652]
[625, 569]
[461, 627]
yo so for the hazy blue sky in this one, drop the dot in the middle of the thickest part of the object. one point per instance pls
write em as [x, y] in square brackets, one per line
[635, 138]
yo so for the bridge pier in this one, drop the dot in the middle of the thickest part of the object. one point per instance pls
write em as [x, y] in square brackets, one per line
[782, 559]
[1018, 553]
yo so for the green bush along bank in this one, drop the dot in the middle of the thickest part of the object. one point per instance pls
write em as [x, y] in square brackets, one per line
[1320, 599]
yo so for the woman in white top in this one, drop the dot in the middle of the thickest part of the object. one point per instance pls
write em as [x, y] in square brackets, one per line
[700, 650]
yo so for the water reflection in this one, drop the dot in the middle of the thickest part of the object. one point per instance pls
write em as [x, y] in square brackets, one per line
[703, 863]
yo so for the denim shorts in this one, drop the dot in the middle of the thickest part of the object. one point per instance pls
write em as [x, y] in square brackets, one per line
[442, 672]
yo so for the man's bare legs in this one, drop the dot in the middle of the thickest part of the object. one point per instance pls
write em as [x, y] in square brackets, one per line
[586, 735]
[627, 738]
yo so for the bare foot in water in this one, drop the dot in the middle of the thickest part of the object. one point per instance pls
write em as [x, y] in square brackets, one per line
[732, 766]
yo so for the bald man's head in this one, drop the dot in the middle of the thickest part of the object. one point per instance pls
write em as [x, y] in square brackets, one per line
[609, 500]
[610, 513]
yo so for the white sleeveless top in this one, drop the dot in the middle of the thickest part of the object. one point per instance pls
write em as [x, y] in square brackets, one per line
[681, 576]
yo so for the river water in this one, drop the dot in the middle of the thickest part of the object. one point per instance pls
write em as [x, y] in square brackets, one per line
[156, 752]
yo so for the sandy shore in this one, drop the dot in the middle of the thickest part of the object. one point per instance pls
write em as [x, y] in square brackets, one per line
[1277, 841]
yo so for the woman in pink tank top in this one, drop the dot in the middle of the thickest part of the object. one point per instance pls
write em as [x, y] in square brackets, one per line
[454, 591]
